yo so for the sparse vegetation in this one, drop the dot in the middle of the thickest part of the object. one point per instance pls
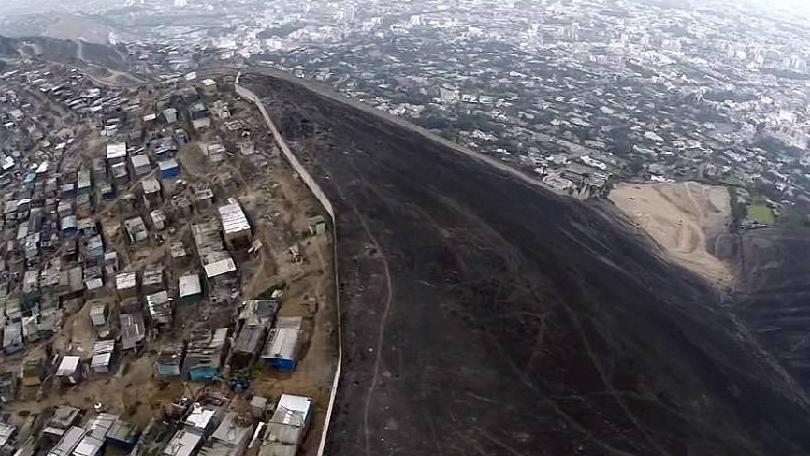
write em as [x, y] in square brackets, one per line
[761, 213]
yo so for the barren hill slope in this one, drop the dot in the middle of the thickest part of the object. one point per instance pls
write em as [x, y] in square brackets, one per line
[483, 315]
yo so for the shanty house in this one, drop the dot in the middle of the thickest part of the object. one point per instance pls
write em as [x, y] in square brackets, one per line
[200, 118]
[116, 153]
[133, 330]
[170, 114]
[290, 421]
[140, 165]
[209, 87]
[258, 313]
[68, 442]
[103, 354]
[169, 169]
[126, 284]
[183, 443]
[235, 226]
[32, 371]
[283, 344]
[247, 346]
[158, 219]
[205, 353]
[190, 288]
[13, 338]
[160, 308]
[233, 433]
[136, 230]
[170, 359]
[70, 371]
[98, 313]
[151, 192]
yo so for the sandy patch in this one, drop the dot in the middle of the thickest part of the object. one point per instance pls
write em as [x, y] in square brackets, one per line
[681, 217]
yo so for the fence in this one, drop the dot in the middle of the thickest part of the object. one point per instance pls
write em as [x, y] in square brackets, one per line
[327, 205]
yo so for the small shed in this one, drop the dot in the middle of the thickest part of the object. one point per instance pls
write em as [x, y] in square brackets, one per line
[247, 346]
[133, 331]
[158, 219]
[283, 345]
[190, 288]
[183, 443]
[170, 114]
[136, 230]
[141, 165]
[126, 284]
[153, 280]
[98, 313]
[169, 169]
[69, 371]
[170, 360]
[160, 308]
[69, 225]
[205, 354]
[32, 371]
[103, 351]
[317, 225]
[291, 420]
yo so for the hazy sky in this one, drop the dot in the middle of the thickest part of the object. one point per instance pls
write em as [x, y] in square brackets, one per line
[21, 6]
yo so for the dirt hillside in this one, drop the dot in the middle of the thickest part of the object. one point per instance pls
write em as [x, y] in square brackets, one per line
[684, 218]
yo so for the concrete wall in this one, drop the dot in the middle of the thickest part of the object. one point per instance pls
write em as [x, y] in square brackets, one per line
[327, 205]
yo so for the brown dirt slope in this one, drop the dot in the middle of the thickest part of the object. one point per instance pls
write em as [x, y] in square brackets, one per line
[684, 219]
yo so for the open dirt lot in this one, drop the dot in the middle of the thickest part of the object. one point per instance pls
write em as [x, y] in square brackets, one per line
[684, 219]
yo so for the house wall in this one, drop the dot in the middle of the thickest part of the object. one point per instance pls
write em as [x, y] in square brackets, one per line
[202, 374]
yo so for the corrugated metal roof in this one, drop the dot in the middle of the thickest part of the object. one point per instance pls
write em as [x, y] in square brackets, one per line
[150, 185]
[232, 431]
[190, 285]
[6, 432]
[160, 309]
[220, 267]
[183, 443]
[116, 150]
[125, 280]
[200, 417]
[282, 344]
[89, 446]
[168, 164]
[233, 218]
[68, 442]
[68, 366]
[132, 330]
[139, 161]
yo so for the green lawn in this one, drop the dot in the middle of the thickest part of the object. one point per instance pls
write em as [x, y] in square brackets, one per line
[761, 213]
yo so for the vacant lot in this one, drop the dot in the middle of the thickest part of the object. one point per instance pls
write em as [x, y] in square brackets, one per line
[683, 218]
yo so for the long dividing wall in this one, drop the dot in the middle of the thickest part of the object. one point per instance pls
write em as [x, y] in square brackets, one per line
[327, 205]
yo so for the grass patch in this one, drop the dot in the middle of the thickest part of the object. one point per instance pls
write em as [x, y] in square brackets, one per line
[762, 214]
